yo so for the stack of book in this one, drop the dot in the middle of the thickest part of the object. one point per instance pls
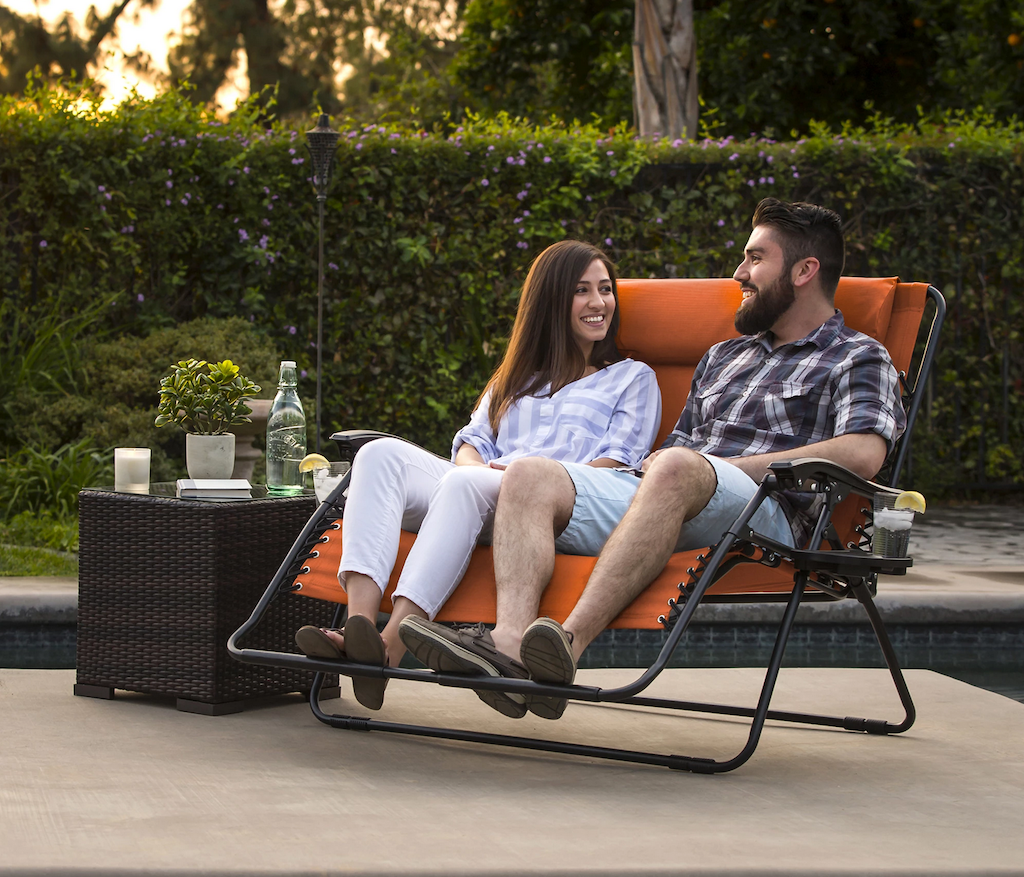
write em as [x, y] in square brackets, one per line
[214, 489]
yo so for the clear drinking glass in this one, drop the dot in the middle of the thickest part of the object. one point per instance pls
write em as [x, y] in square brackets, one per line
[326, 479]
[891, 535]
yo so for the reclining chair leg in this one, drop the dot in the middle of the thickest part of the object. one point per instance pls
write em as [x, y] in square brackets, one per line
[875, 726]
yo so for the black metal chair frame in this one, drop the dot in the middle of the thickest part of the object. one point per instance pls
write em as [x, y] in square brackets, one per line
[840, 573]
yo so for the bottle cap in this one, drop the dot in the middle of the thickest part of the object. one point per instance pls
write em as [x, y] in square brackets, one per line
[287, 363]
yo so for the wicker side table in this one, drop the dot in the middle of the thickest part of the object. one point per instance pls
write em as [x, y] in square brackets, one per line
[164, 582]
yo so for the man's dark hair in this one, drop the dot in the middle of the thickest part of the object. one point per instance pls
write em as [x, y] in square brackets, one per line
[806, 230]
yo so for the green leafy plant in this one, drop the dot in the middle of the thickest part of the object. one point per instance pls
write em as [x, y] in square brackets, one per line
[41, 482]
[205, 403]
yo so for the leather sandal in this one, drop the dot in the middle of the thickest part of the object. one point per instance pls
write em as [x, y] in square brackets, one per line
[363, 645]
[317, 644]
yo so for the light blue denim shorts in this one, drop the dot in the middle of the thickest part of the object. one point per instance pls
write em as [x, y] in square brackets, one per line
[603, 495]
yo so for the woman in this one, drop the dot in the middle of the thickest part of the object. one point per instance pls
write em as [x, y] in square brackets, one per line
[562, 391]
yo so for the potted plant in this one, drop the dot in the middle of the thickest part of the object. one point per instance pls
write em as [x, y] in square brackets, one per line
[205, 399]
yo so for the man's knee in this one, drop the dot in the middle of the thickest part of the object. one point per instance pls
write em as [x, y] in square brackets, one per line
[680, 470]
[536, 483]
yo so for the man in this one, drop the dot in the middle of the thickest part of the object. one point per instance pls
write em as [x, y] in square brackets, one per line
[797, 380]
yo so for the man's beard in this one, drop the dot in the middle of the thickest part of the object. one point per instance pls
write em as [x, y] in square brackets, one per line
[760, 312]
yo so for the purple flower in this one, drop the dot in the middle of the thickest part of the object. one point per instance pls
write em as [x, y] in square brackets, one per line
[720, 223]
[490, 149]
[796, 175]
[564, 223]
[771, 180]
[526, 213]
[184, 201]
[612, 173]
[243, 235]
[167, 202]
[521, 161]
[169, 184]
[547, 159]
[170, 173]
[43, 245]
[589, 198]
[298, 160]
[291, 330]
[729, 244]
[140, 297]
[394, 152]
[677, 143]
[734, 156]
[291, 151]
[264, 240]
[522, 195]
[522, 231]
[359, 146]
[770, 159]
[332, 266]
[104, 188]
[762, 180]
[751, 183]
[523, 245]
[485, 182]
[510, 160]
[611, 152]
[529, 185]
[608, 242]
[108, 196]
[659, 220]
[232, 182]
[302, 373]
[245, 170]
[220, 206]
[266, 190]
[517, 220]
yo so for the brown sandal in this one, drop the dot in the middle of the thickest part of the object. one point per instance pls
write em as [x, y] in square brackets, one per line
[317, 644]
[363, 645]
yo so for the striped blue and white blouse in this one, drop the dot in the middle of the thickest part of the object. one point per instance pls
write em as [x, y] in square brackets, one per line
[614, 413]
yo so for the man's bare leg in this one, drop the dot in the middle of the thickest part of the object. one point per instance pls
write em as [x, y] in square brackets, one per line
[534, 507]
[676, 487]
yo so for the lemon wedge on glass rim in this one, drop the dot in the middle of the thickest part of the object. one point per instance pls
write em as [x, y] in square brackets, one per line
[314, 461]
[910, 499]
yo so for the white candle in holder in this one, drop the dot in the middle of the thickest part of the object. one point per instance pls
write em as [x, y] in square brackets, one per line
[131, 469]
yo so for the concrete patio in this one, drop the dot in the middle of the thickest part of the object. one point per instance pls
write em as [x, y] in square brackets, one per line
[133, 786]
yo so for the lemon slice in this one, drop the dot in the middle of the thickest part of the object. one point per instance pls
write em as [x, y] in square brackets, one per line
[314, 461]
[910, 499]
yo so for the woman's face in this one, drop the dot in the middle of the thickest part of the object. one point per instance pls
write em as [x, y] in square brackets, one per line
[592, 306]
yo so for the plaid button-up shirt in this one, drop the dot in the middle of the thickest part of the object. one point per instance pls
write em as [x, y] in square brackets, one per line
[748, 399]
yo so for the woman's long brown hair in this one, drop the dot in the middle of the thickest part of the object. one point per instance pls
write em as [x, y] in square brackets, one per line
[542, 348]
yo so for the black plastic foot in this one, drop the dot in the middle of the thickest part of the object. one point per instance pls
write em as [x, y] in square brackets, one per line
[104, 692]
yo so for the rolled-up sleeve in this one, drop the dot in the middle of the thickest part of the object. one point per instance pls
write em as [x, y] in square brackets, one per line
[866, 397]
[634, 422]
[478, 432]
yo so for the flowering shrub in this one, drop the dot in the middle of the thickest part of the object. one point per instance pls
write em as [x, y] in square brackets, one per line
[176, 215]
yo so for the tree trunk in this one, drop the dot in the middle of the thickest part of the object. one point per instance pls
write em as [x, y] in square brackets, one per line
[665, 69]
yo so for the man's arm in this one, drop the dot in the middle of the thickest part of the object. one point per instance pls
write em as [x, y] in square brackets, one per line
[861, 453]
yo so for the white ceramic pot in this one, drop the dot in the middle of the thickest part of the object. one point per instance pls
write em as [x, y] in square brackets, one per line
[209, 456]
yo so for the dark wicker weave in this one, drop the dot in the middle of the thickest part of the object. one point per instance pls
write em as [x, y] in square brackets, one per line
[164, 582]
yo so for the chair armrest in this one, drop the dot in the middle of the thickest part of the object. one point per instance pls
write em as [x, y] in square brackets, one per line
[807, 473]
[351, 440]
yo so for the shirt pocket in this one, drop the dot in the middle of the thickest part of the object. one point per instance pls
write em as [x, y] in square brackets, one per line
[792, 408]
[712, 400]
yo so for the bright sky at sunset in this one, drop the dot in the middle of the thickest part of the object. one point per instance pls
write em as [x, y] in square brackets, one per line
[147, 29]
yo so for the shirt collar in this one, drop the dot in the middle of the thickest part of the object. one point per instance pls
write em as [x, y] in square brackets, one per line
[821, 337]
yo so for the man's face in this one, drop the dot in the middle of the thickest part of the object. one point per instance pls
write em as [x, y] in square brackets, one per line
[765, 281]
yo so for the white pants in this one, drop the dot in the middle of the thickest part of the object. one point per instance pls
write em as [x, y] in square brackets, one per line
[398, 486]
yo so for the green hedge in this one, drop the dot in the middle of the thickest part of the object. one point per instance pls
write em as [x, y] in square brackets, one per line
[174, 215]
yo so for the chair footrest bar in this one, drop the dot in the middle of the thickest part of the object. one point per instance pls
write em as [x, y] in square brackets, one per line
[871, 726]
